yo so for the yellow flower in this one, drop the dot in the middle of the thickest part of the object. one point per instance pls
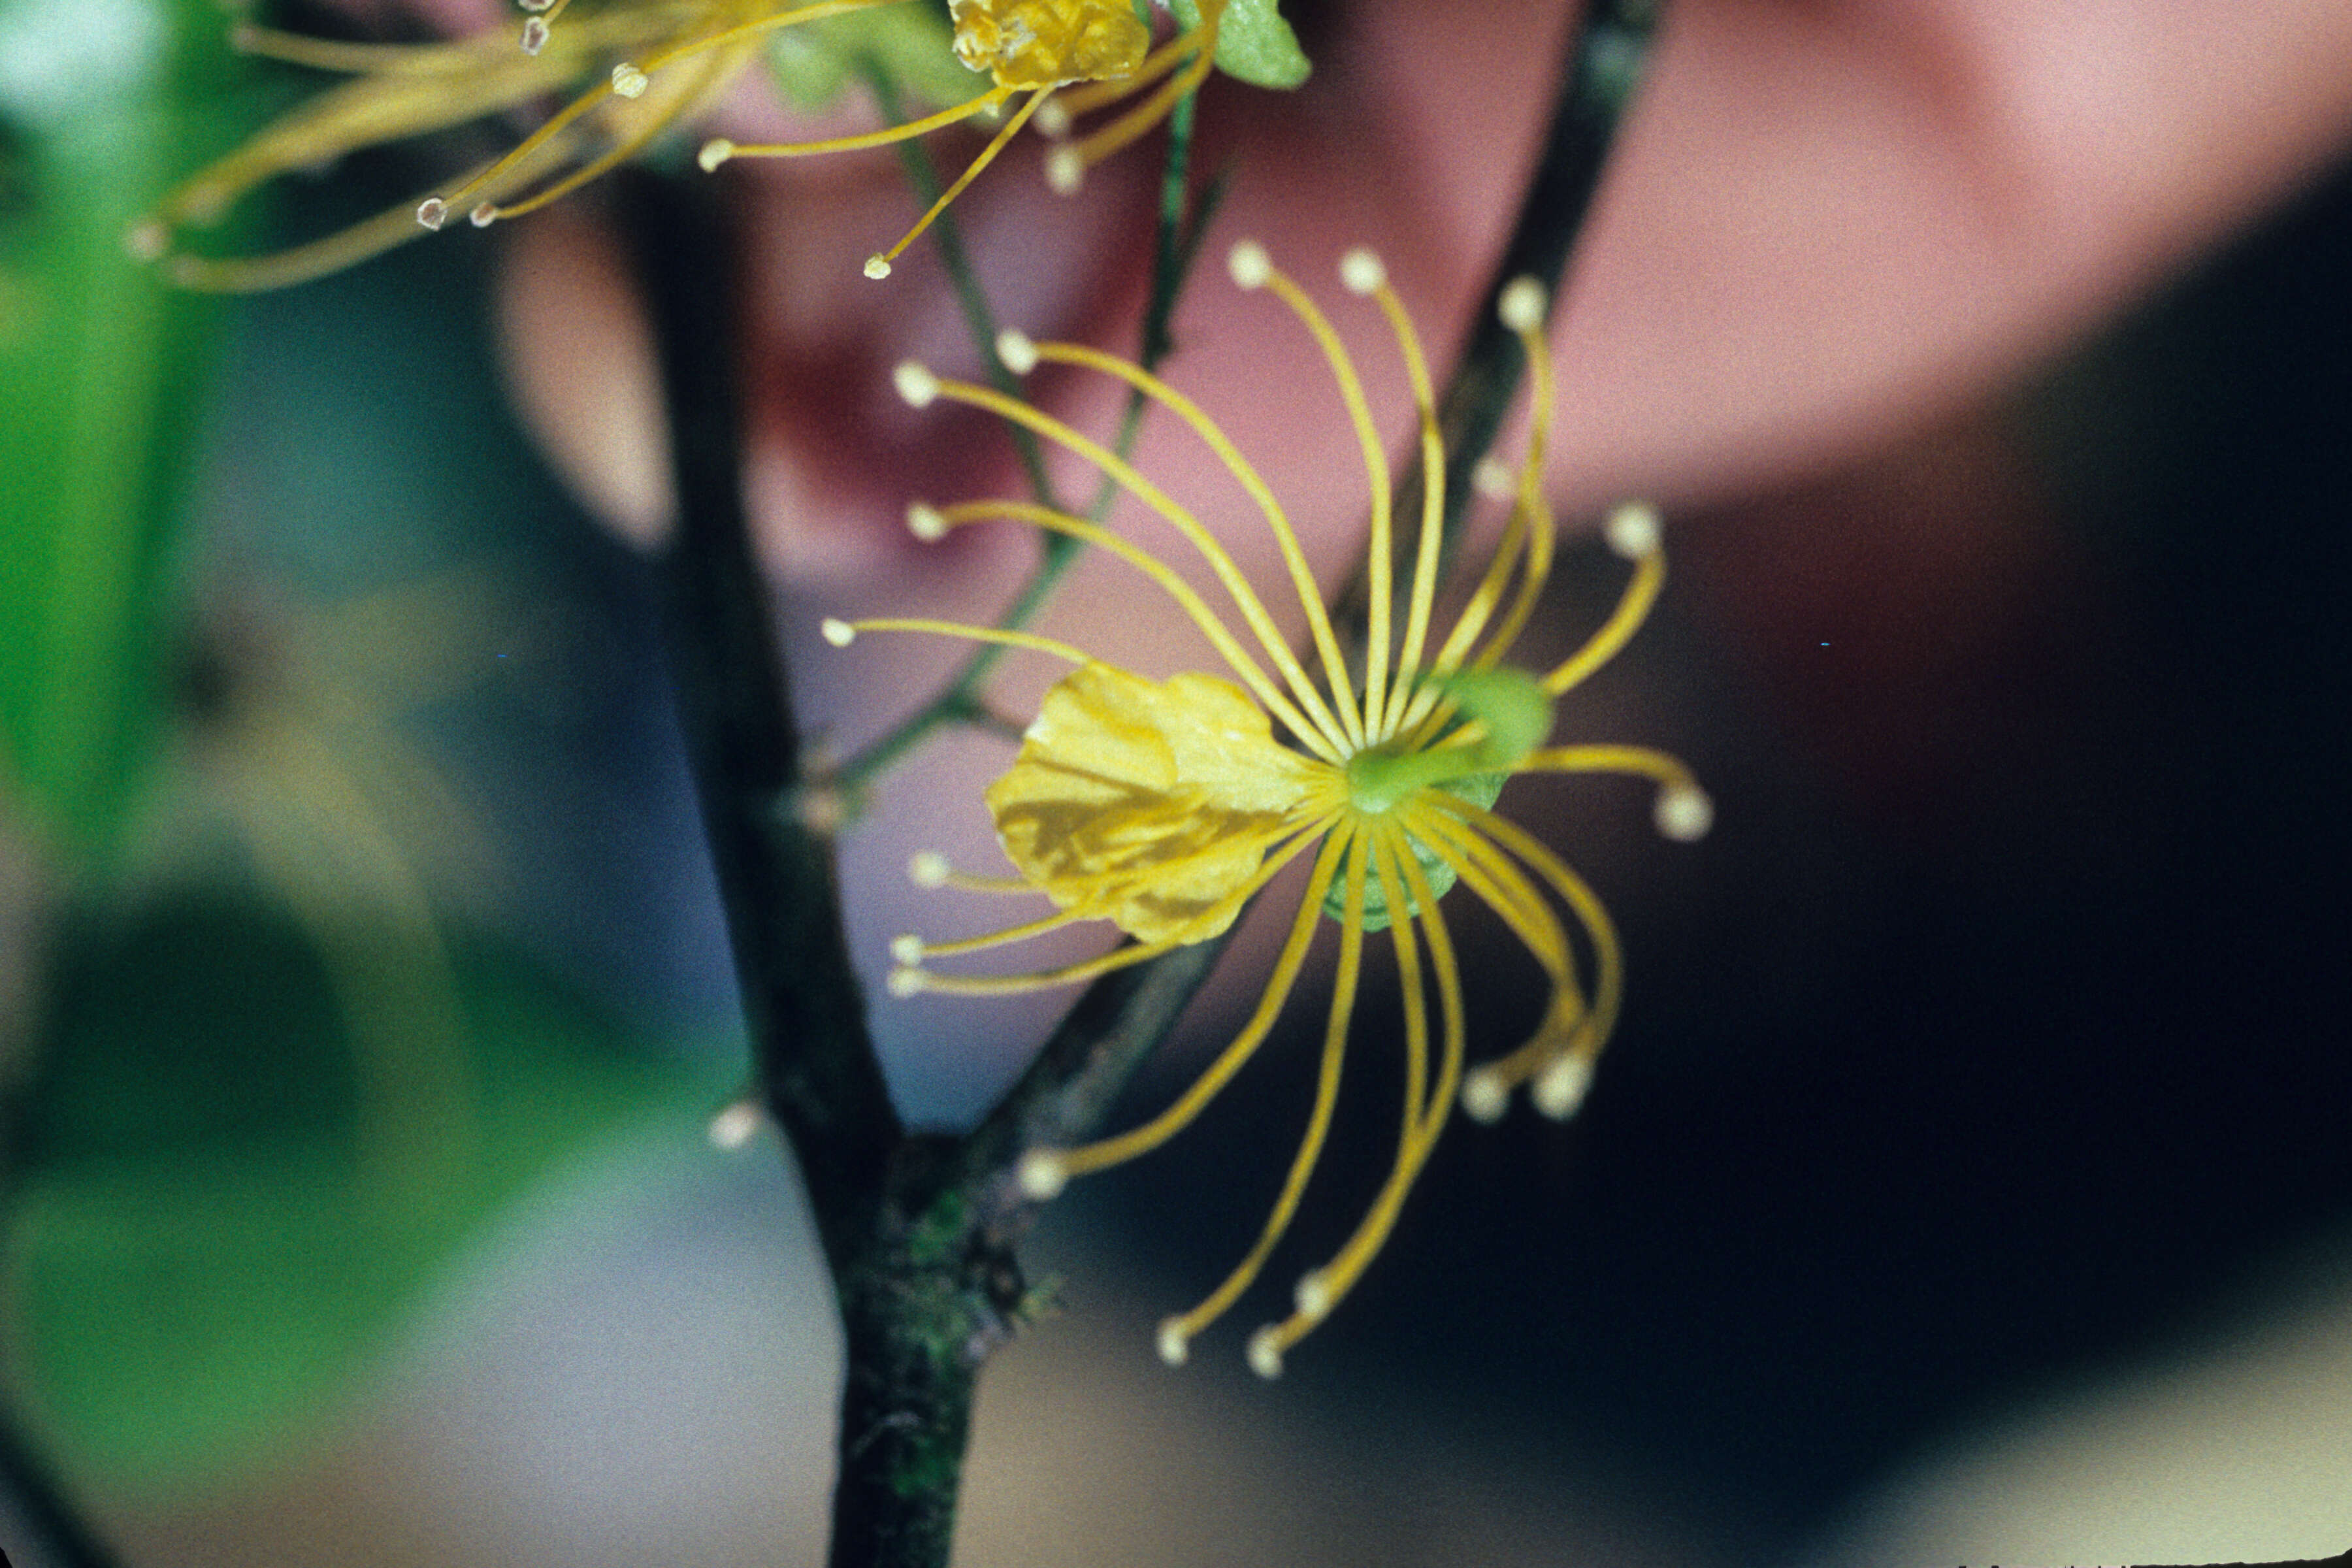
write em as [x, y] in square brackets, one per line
[1163, 806]
[661, 62]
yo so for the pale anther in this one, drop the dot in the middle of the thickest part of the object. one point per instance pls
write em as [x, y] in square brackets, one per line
[536, 5]
[1265, 1352]
[534, 36]
[1017, 351]
[628, 81]
[736, 1123]
[1051, 119]
[484, 215]
[715, 151]
[919, 386]
[1683, 813]
[1494, 478]
[1313, 1295]
[925, 522]
[836, 631]
[1042, 1176]
[878, 267]
[1560, 1088]
[433, 212]
[1633, 530]
[145, 240]
[1175, 1345]
[1521, 306]
[1484, 1096]
[1066, 171]
[1362, 271]
[928, 869]
[1249, 263]
[905, 982]
[907, 949]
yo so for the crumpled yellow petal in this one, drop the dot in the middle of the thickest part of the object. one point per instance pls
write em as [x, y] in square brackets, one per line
[1152, 804]
[1044, 43]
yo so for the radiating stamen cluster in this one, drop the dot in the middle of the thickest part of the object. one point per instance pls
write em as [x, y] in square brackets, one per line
[1164, 807]
[650, 65]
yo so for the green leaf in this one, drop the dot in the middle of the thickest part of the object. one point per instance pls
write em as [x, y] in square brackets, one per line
[234, 1186]
[815, 62]
[102, 102]
[1253, 43]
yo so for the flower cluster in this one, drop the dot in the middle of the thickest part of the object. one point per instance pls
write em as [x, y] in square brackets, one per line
[635, 68]
[1165, 806]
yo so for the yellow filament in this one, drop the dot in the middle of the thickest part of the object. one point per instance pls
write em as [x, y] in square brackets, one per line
[1387, 839]
[887, 136]
[1433, 505]
[971, 172]
[1609, 984]
[296, 263]
[1649, 576]
[1002, 635]
[1235, 656]
[1132, 480]
[1375, 470]
[1318, 1122]
[1111, 1152]
[1336, 1279]
[1530, 531]
[1310, 597]
[670, 104]
[358, 59]
[961, 945]
[1118, 957]
[1484, 871]
[1643, 762]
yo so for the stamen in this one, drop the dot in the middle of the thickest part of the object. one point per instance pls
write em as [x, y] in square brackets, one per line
[1362, 272]
[715, 151]
[1494, 478]
[433, 212]
[628, 81]
[1017, 351]
[1175, 1345]
[535, 35]
[1633, 531]
[919, 387]
[736, 1124]
[1249, 265]
[925, 522]
[484, 215]
[1265, 1352]
[1312, 1296]
[928, 868]
[907, 950]
[1560, 1088]
[1685, 813]
[1066, 171]
[1484, 1096]
[836, 631]
[1043, 1173]
[905, 982]
[1521, 304]
[1052, 119]
[878, 267]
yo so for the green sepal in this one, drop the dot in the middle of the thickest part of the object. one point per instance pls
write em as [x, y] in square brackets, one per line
[1253, 43]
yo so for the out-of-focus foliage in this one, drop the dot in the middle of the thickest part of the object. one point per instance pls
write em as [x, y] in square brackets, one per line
[912, 45]
[102, 102]
[246, 1157]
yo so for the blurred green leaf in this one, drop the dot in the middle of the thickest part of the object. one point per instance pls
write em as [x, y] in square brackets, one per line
[102, 102]
[912, 45]
[1253, 43]
[224, 1206]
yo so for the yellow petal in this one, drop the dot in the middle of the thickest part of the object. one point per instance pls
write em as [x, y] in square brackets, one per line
[1150, 803]
[1045, 43]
